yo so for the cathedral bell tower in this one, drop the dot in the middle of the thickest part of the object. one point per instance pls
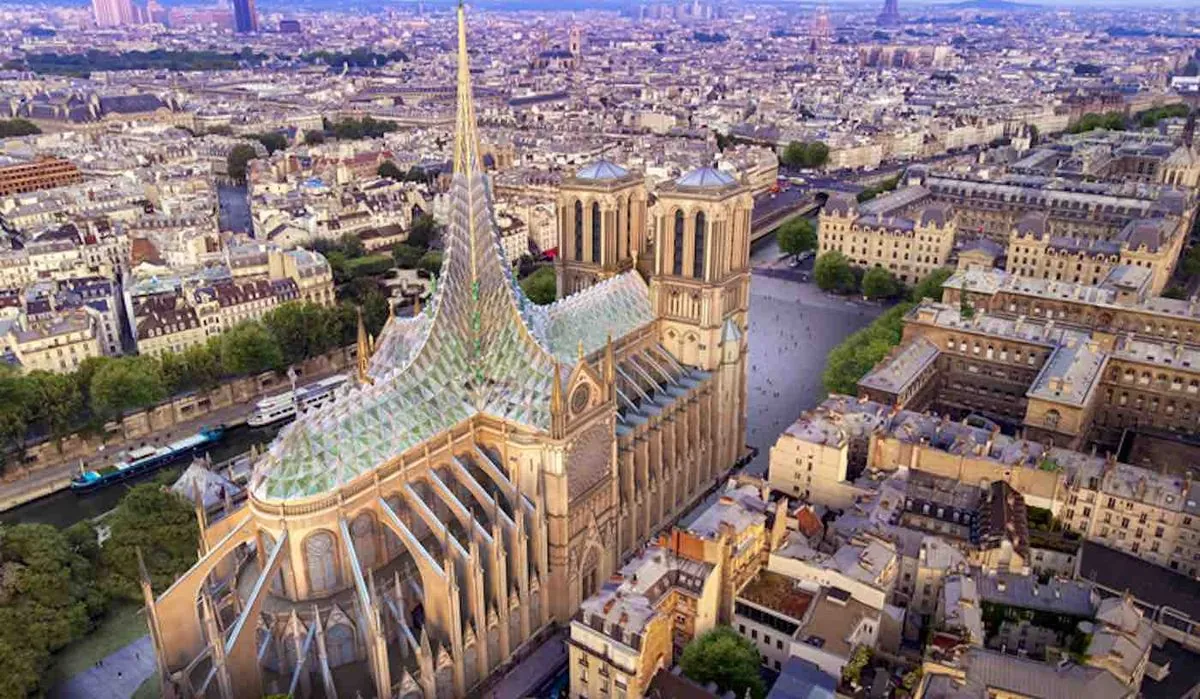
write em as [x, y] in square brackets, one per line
[601, 225]
[701, 285]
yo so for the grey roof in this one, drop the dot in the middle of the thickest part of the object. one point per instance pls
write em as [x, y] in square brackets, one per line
[601, 170]
[801, 679]
[1031, 678]
[1149, 583]
[706, 178]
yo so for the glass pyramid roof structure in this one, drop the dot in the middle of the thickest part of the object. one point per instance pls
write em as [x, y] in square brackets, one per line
[480, 347]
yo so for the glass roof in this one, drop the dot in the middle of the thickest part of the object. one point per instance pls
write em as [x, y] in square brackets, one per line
[706, 177]
[479, 347]
[601, 170]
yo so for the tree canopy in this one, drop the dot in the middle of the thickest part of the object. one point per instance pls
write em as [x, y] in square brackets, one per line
[407, 256]
[238, 161]
[931, 286]
[271, 140]
[249, 348]
[797, 236]
[431, 262]
[879, 283]
[726, 658]
[832, 272]
[389, 170]
[807, 154]
[541, 286]
[159, 522]
[858, 353]
[126, 383]
[885, 186]
[353, 129]
[1112, 121]
[423, 232]
[18, 127]
[48, 598]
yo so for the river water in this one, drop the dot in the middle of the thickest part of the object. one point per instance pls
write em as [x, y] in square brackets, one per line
[64, 508]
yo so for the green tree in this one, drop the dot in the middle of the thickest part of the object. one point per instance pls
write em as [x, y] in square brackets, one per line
[314, 137]
[878, 283]
[1176, 292]
[160, 523]
[389, 170]
[416, 173]
[861, 351]
[422, 232]
[726, 658]
[931, 286]
[832, 272]
[48, 598]
[852, 672]
[238, 160]
[1191, 260]
[18, 127]
[406, 256]
[272, 141]
[249, 348]
[541, 286]
[17, 396]
[807, 154]
[352, 245]
[58, 401]
[302, 330]
[127, 383]
[797, 236]
[431, 262]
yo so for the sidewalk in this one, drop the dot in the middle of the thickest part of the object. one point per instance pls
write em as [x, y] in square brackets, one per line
[118, 678]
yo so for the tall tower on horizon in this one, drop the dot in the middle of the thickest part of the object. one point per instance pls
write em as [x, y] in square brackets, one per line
[114, 13]
[821, 28]
[245, 17]
[890, 16]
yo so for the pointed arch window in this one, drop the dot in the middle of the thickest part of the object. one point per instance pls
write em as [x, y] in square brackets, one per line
[320, 556]
[698, 247]
[677, 268]
[578, 230]
[596, 232]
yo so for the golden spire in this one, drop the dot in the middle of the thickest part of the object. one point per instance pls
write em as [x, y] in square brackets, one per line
[610, 363]
[466, 138]
[580, 351]
[417, 306]
[364, 351]
[557, 409]
[391, 312]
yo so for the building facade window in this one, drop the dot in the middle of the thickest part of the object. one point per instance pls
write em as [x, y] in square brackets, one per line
[578, 230]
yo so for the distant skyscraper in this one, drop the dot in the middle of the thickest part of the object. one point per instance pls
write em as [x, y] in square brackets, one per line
[891, 13]
[821, 28]
[245, 18]
[114, 13]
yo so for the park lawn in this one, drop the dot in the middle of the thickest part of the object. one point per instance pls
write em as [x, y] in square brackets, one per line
[369, 265]
[149, 689]
[124, 624]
